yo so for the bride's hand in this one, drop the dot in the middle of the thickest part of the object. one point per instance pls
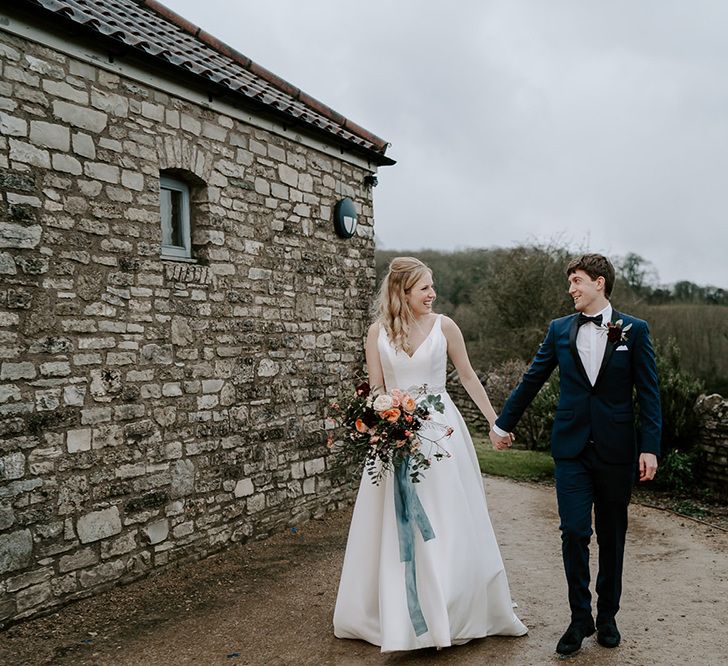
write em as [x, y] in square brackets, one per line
[500, 443]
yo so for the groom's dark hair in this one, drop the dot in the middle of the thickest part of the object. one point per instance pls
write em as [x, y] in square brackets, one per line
[594, 265]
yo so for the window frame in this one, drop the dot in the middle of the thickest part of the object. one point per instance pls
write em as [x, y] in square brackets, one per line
[167, 182]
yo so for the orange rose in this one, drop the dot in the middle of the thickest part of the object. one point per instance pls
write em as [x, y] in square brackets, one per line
[408, 404]
[391, 415]
[361, 426]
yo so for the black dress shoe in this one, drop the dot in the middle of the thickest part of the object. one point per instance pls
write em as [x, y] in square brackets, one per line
[570, 642]
[608, 635]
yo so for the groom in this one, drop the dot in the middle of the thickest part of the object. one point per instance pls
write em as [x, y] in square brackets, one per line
[602, 355]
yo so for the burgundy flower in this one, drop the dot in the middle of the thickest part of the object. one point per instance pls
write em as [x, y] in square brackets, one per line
[370, 418]
[363, 389]
[614, 332]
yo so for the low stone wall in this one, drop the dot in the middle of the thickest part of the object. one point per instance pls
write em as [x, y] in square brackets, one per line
[498, 384]
[469, 410]
[712, 411]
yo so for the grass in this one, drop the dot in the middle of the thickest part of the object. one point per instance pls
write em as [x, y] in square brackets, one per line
[514, 463]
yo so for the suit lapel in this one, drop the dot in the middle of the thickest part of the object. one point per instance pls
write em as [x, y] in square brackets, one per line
[608, 349]
[574, 351]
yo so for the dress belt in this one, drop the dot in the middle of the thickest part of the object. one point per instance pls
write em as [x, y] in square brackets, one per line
[428, 390]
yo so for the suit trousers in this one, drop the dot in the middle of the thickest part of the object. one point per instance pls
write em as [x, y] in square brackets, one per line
[582, 483]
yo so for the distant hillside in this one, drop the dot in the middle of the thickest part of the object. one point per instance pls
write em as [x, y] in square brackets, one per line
[701, 332]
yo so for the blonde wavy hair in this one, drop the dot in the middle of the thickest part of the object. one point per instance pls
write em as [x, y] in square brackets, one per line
[391, 309]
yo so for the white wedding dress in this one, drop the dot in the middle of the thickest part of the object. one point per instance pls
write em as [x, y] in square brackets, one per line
[461, 584]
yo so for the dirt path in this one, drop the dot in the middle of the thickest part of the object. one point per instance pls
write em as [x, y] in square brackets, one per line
[271, 602]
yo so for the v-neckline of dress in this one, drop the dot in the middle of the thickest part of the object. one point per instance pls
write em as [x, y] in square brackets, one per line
[427, 337]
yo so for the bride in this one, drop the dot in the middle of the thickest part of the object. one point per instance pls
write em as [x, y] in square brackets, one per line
[458, 590]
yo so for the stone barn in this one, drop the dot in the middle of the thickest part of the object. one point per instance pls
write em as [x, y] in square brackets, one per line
[186, 261]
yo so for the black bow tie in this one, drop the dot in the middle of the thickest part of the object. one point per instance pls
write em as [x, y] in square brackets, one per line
[584, 319]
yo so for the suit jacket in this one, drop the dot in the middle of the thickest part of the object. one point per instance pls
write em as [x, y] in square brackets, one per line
[603, 412]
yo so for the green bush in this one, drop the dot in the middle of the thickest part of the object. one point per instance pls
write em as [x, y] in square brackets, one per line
[678, 471]
[542, 412]
[678, 394]
[534, 429]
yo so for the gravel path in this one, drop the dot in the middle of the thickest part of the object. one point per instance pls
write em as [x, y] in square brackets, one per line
[271, 602]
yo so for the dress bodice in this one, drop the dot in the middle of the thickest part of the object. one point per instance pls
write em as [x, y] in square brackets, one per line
[427, 365]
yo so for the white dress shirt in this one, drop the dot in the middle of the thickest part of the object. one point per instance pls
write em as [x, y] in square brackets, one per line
[591, 343]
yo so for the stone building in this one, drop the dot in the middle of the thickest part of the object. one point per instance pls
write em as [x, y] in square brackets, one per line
[175, 305]
[712, 411]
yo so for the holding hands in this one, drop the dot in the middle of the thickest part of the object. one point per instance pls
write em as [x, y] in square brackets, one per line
[501, 442]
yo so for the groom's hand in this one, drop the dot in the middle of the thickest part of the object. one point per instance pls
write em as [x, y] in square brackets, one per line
[648, 466]
[500, 443]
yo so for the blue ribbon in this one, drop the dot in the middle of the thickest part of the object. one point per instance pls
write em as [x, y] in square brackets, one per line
[410, 514]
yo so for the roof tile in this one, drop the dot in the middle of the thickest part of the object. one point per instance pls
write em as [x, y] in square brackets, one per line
[150, 27]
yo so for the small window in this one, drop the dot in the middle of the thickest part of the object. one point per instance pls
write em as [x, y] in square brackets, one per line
[174, 203]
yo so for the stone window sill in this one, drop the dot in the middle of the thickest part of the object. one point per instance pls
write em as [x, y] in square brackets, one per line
[184, 260]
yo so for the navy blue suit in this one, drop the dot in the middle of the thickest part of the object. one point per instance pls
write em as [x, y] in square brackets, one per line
[595, 448]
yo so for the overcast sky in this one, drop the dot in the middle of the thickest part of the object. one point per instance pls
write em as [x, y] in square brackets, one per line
[602, 124]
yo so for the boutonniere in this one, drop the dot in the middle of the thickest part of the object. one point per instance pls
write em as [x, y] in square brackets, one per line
[616, 331]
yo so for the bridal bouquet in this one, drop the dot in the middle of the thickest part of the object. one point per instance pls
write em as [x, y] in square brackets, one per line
[385, 430]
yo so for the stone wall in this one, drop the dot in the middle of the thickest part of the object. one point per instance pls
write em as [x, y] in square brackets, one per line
[712, 411]
[472, 416]
[498, 384]
[152, 410]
